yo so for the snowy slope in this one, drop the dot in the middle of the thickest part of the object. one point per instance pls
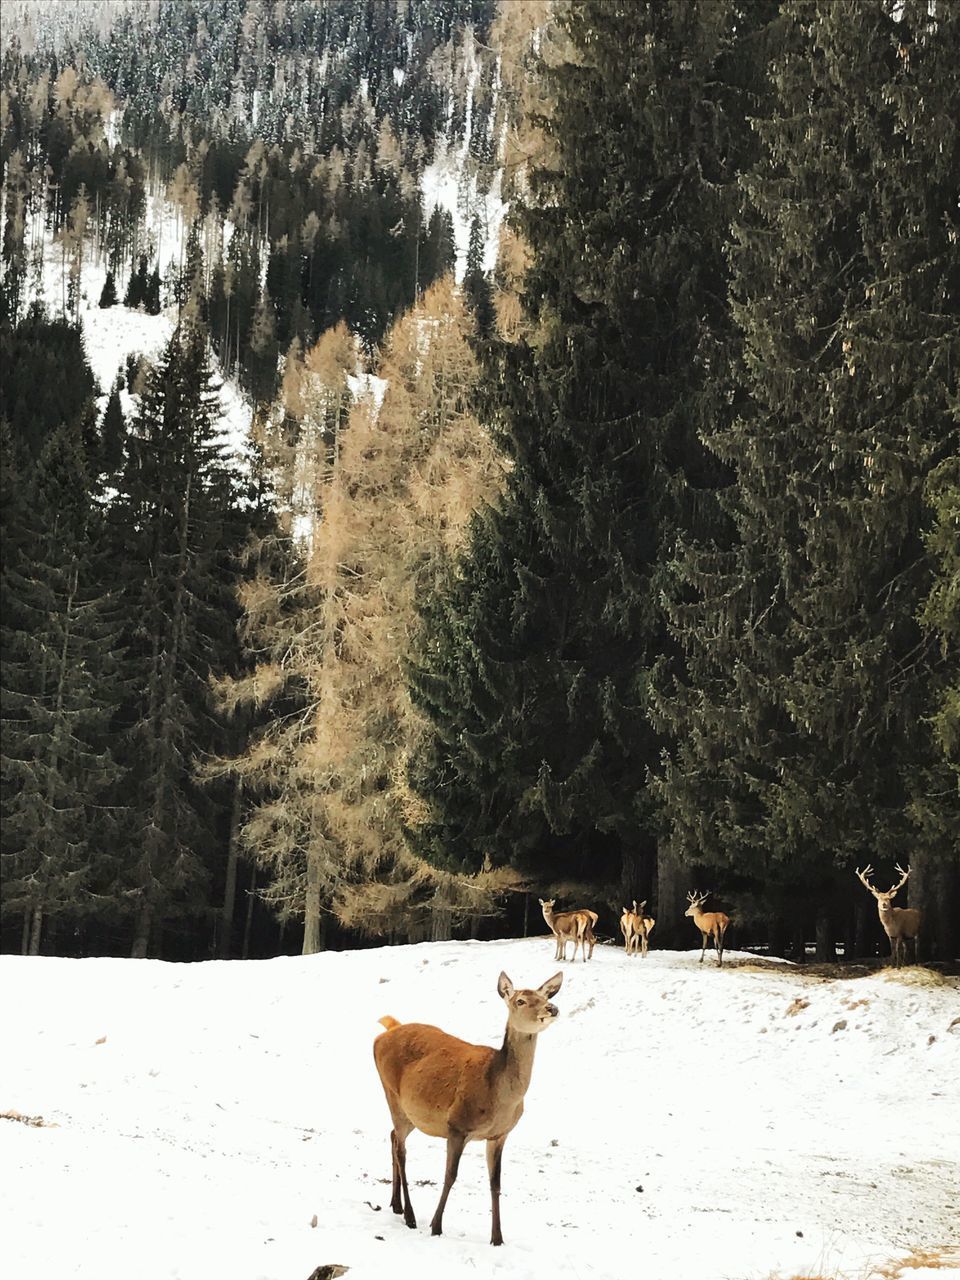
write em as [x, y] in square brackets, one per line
[683, 1122]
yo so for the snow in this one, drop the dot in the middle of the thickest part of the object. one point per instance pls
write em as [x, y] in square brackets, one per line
[111, 334]
[702, 1121]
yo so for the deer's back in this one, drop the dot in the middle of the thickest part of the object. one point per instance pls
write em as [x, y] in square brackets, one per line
[441, 1082]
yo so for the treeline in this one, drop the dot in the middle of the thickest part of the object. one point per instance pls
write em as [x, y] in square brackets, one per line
[629, 571]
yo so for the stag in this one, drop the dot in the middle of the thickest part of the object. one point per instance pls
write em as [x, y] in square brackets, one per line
[712, 924]
[899, 923]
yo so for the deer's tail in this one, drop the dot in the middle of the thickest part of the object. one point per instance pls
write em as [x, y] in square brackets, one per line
[389, 1023]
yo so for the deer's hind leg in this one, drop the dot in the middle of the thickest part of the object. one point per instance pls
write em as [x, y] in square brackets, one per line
[402, 1128]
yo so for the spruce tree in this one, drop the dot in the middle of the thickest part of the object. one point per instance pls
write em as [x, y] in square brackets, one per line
[60, 673]
[538, 658]
[108, 294]
[113, 431]
[806, 746]
[177, 522]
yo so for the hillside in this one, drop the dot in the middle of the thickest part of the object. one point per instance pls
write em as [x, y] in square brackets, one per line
[682, 1122]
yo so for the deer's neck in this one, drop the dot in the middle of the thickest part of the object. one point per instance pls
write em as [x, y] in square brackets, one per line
[514, 1063]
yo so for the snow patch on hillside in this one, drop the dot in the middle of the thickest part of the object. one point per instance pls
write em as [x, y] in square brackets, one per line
[720, 1124]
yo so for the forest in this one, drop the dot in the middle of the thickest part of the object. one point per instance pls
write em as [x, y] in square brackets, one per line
[461, 452]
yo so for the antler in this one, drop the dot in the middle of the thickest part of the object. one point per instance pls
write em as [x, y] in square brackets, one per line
[692, 897]
[903, 880]
[862, 877]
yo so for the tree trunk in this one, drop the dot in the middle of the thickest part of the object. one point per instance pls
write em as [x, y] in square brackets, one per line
[441, 916]
[230, 886]
[248, 921]
[312, 942]
[141, 937]
[673, 884]
[36, 929]
[865, 913]
[799, 944]
[826, 946]
[25, 935]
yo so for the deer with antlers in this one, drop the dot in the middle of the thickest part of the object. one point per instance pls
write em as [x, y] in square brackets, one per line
[462, 1092]
[899, 923]
[570, 926]
[636, 928]
[712, 924]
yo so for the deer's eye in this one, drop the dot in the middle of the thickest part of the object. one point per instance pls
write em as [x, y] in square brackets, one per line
[519, 1002]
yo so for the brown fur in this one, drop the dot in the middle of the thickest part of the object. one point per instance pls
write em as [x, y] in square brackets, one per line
[463, 1092]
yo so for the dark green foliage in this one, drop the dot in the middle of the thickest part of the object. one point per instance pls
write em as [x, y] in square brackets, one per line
[535, 666]
[803, 740]
[177, 523]
[113, 432]
[477, 284]
[59, 689]
[136, 293]
[108, 294]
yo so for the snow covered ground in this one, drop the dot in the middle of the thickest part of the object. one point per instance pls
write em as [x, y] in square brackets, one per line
[683, 1122]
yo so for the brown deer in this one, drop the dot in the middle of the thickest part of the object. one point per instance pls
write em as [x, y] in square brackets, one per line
[712, 924]
[899, 923]
[568, 926]
[462, 1092]
[635, 927]
[589, 938]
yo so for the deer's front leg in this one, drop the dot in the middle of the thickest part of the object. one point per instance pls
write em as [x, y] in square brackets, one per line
[455, 1145]
[494, 1161]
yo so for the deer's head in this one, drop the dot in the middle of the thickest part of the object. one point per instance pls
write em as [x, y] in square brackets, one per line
[530, 1011]
[547, 903]
[884, 897]
[696, 901]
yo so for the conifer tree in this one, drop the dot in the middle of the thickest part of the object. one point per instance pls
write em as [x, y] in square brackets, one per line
[806, 748]
[108, 294]
[538, 658]
[176, 519]
[59, 692]
[113, 431]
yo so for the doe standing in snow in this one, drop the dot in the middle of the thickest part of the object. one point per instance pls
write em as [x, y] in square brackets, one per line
[570, 926]
[462, 1092]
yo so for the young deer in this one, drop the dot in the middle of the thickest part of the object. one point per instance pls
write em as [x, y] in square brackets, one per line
[462, 1092]
[588, 939]
[636, 927]
[712, 924]
[899, 923]
[569, 926]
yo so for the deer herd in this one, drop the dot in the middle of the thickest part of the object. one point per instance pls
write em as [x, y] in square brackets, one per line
[464, 1092]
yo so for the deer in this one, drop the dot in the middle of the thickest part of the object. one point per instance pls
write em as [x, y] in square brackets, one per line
[712, 924]
[569, 926]
[899, 923]
[463, 1092]
[636, 927]
[589, 938]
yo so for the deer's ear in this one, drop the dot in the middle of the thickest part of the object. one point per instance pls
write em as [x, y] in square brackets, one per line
[551, 986]
[505, 986]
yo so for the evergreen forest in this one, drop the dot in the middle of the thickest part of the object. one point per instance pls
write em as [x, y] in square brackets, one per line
[461, 452]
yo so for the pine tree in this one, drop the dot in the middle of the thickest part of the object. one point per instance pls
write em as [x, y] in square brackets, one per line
[538, 658]
[477, 284]
[113, 431]
[137, 287]
[108, 294]
[807, 748]
[176, 519]
[59, 693]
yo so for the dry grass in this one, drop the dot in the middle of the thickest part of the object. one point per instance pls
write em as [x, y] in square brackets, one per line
[947, 1259]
